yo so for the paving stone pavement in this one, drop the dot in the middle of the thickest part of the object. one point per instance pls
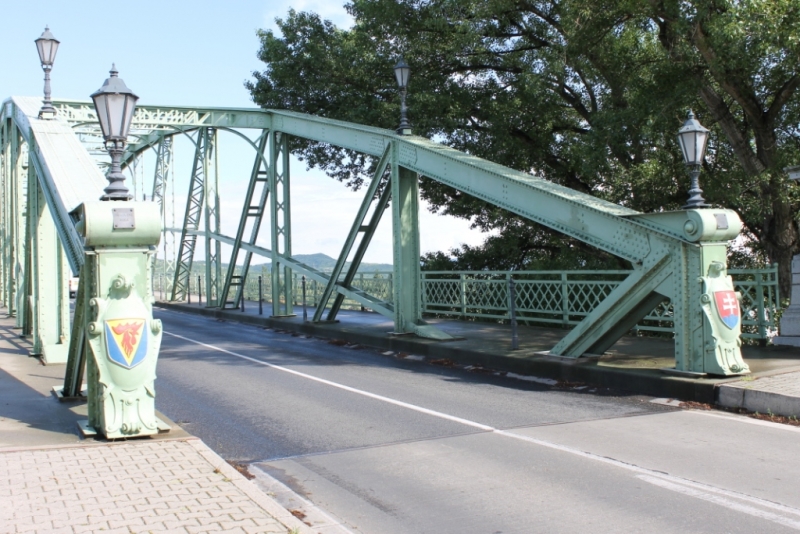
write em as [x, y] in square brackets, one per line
[133, 487]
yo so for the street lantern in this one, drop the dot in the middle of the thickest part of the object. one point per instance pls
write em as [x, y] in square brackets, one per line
[115, 104]
[402, 72]
[693, 138]
[47, 46]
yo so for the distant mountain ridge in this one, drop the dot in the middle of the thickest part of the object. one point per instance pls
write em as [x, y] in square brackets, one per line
[321, 262]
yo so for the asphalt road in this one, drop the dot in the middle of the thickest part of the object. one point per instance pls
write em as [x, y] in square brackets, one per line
[387, 445]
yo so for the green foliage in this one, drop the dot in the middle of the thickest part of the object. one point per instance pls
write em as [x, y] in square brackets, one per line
[588, 94]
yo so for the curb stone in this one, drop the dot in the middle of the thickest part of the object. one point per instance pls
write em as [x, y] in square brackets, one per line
[280, 513]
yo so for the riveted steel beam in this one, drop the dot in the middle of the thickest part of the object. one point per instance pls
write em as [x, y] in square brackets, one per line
[191, 219]
[161, 183]
[47, 281]
[160, 117]
[255, 205]
[357, 228]
[212, 221]
[281, 224]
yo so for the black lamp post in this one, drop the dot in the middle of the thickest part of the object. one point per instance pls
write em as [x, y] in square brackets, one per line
[402, 72]
[47, 46]
[115, 104]
[693, 138]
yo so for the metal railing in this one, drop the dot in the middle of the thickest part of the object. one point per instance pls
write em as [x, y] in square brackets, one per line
[562, 298]
[566, 297]
[377, 284]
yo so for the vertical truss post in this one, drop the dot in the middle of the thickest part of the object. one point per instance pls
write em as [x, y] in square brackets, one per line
[407, 287]
[161, 180]
[10, 218]
[4, 210]
[47, 280]
[191, 219]
[19, 158]
[356, 228]
[254, 208]
[78, 348]
[212, 245]
[280, 219]
[405, 233]
[163, 168]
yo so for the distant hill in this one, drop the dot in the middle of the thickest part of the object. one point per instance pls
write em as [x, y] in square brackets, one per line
[323, 262]
[319, 261]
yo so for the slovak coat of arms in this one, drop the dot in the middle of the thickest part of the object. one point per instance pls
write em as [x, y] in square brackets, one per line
[727, 308]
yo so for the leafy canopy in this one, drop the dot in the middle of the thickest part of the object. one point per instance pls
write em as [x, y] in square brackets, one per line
[586, 93]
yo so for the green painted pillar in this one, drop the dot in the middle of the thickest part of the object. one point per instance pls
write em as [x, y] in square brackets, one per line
[17, 229]
[405, 229]
[281, 224]
[3, 212]
[707, 312]
[122, 337]
[286, 205]
[48, 280]
[212, 222]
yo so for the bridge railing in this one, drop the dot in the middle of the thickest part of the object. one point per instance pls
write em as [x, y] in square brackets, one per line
[560, 298]
[377, 284]
[566, 297]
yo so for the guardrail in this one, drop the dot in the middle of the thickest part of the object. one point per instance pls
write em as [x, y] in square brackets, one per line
[560, 298]
[566, 297]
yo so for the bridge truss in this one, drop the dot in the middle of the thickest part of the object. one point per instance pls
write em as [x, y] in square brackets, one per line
[56, 165]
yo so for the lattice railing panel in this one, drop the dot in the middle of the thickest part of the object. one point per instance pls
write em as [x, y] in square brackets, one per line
[541, 296]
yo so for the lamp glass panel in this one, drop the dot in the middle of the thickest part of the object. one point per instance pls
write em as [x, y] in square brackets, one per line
[687, 147]
[102, 112]
[130, 108]
[47, 49]
[702, 139]
[41, 47]
[116, 114]
[402, 75]
[53, 49]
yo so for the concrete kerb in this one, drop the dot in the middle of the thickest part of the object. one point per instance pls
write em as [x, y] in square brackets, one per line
[760, 395]
[248, 488]
[635, 381]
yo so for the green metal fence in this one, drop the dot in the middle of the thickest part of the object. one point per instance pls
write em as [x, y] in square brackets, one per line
[566, 297]
[378, 284]
[562, 298]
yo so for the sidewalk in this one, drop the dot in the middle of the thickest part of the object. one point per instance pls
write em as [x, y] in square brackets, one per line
[53, 481]
[633, 364]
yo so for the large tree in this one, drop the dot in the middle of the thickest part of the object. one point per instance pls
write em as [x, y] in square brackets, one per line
[586, 93]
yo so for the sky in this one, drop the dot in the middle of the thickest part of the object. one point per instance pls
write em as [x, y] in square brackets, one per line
[197, 53]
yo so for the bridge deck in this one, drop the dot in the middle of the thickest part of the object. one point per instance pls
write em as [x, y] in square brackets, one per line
[633, 363]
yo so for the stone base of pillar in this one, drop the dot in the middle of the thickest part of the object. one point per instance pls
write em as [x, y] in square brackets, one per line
[787, 341]
[790, 321]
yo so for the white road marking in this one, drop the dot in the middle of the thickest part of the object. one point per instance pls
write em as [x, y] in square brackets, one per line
[342, 386]
[722, 501]
[687, 487]
[546, 381]
[746, 420]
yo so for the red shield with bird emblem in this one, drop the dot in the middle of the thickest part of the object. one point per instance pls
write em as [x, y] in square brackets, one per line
[126, 341]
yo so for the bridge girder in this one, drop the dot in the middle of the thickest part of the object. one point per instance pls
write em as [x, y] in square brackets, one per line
[671, 252]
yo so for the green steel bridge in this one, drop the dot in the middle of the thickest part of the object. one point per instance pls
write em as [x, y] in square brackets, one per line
[50, 167]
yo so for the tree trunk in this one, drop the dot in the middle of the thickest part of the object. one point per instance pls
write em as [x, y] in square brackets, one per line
[781, 244]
